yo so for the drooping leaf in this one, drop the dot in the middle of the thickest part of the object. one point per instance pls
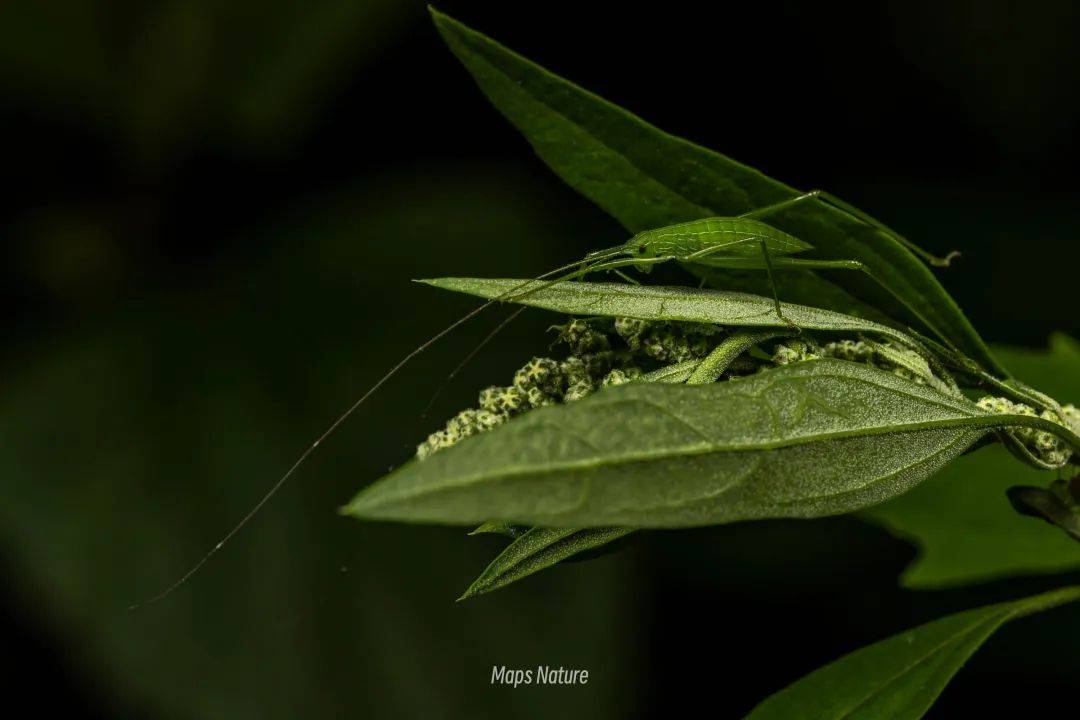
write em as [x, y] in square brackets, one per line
[647, 178]
[960, 519]
[901, 677]
[538, 549]
[808, 439]
[654, 302]
[1052, 505]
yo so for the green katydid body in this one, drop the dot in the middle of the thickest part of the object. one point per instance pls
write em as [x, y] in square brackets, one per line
[730, 242]
[708, 241]
[739, 237]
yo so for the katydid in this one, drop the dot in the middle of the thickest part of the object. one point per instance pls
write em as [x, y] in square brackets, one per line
[733, 242]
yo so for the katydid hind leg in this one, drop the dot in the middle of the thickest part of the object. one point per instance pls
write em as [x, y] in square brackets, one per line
[839, 204]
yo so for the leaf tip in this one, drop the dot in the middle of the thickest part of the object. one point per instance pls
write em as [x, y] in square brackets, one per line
[443, 22]
[478, 587]
[364, 504]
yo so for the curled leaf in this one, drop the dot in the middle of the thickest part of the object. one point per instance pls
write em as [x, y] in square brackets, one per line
[1056, 506]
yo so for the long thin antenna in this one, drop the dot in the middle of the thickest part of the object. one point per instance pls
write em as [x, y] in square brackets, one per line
[468, 358]
[590, 260]
[342, 418]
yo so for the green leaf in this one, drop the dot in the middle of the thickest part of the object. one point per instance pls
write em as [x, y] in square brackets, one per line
[808, 439]
[500, 528]
[797, 286]
[538, 549]
[647, 179]
[545, 547]
[960, 519]
[900, 677]
[1054, 505]
[654, 302]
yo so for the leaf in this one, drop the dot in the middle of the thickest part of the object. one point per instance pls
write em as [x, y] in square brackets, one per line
[808, 439]
[536, 550]
[653, 302]
[797, 286]
[1047, 505]
[961, 521]
[899, 678]
[545, 547]
[500, 528]
[647, 179]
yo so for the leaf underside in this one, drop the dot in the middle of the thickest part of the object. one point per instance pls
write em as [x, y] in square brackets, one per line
[805, 440]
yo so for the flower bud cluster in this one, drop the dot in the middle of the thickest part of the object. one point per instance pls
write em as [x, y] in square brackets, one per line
[600, 354]
[1044, 445]
[667, 342]
[900, 361]
[795, 351]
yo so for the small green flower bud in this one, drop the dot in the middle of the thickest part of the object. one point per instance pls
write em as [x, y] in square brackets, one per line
[577, 391]
[486, 420]
[630, 330]
[538, 398]
[848, 350]
[490, 398]
[794, 351]
[464, 423]
[617, 377]
[506, 400]
[436, 441]
[574, 370]
[583, 338]
[539, 372]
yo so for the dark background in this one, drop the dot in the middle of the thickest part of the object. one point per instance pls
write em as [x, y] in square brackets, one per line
[212, 215]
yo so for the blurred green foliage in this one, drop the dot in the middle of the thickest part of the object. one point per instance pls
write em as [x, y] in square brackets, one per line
[128, 451]
[156, 74]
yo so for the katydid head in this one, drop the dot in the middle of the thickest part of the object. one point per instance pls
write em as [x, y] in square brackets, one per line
[643, 245]
[605, 254]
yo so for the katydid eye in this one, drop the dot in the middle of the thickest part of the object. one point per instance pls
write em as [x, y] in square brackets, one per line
[641, 249]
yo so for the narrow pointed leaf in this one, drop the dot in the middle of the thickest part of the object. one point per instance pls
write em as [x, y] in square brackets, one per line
[655, 302]
[900, 677]
[809, 439]
[647, 178]
[538, 549]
